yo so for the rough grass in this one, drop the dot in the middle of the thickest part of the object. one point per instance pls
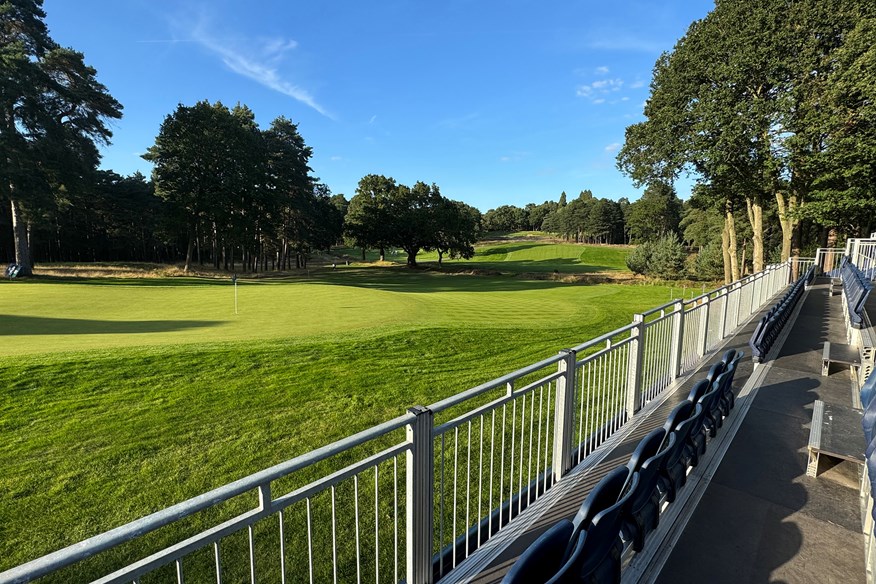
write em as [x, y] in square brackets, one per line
[122, 396]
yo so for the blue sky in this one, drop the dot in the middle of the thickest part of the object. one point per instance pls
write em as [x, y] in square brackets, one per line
[497, 102]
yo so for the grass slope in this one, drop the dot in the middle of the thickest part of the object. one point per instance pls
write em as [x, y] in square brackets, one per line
[122, 397]
[522, 253]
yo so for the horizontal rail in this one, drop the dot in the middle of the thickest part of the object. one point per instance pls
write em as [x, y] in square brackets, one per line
[494, 404]
[444, 404]
[601, 339]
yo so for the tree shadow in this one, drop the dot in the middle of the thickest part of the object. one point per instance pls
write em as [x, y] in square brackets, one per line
[39, 325]
[403, 279]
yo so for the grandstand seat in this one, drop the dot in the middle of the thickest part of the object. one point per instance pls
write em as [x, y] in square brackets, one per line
[673, 471]
[600, 516]
[728, 356]
[695, 441]
[728, 398]
[868, 422]
[644, 511]
[543, 558]
[868, 390]
[699, 389]
[711, 402]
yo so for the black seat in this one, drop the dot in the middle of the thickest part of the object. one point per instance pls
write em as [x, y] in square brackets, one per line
[673, 471]
[715, 370]
[543, 558]
[728, 356]
[695, 441]
[600, 516]
[868, 422]
[644, 511]
[728, 398]
[699, 389]
[711, 404]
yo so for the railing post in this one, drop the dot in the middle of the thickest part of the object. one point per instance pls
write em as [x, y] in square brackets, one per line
[634, 367]
[703, 341]
[419, 499]
[676, 343]
[723, 324]
[564, 414]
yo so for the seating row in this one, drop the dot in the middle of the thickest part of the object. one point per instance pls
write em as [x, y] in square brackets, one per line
[625, 506]
[856, 289]
[771, 324]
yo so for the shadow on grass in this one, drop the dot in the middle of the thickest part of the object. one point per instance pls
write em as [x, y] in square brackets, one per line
[39, 325]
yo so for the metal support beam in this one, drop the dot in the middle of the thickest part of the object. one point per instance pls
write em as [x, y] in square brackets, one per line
[564, 414]
[420, 483]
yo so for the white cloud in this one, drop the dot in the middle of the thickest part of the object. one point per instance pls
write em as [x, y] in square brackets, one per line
[625, 98]
[608, 84]
[603, 70]
[598, 101]
[255, 59]
[637, 84]
[584, 91]
[373, 119]
[614, 146]
[336, 158]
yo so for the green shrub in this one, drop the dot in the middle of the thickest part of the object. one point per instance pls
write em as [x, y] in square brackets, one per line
[640, 258]
[667, 258]
[709, 263]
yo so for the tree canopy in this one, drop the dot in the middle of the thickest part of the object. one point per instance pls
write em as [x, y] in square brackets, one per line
[54, 110]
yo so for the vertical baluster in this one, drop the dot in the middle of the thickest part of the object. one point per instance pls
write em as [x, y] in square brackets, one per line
[356, 518]
[252, 566]
[309, 542]
[441, 510]
[334, 539]
[531, 433]
[282, 549]
[502, 465]
[547, 437]
[511, 456]
[455, 490]
[520, 466]
[492, 454]
[538, 442]
[179, 572]
[468, 490]
[480, 479]
[395, 515]
[218, 562]
[376, 526]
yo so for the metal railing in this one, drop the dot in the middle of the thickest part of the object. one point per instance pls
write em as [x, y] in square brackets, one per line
[828, 260]
[862, 253]
[412, 497]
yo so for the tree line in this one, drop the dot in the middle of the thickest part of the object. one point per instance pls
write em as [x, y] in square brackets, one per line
[769, 105]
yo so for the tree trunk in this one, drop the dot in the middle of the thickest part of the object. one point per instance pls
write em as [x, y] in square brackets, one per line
[21, 234]
[382, 254]
[440, 255]
[789, 225]
[412, 258]
[363, 254]
[725, 250]
[730, 225]
[755, 217]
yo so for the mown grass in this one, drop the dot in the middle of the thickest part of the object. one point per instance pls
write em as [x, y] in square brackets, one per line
[121, 397]
[524, 252]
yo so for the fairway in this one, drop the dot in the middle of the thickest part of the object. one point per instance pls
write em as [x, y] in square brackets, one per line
[527, 253]
[121, 397]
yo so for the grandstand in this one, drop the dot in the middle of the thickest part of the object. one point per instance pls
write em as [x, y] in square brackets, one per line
[658, 452]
